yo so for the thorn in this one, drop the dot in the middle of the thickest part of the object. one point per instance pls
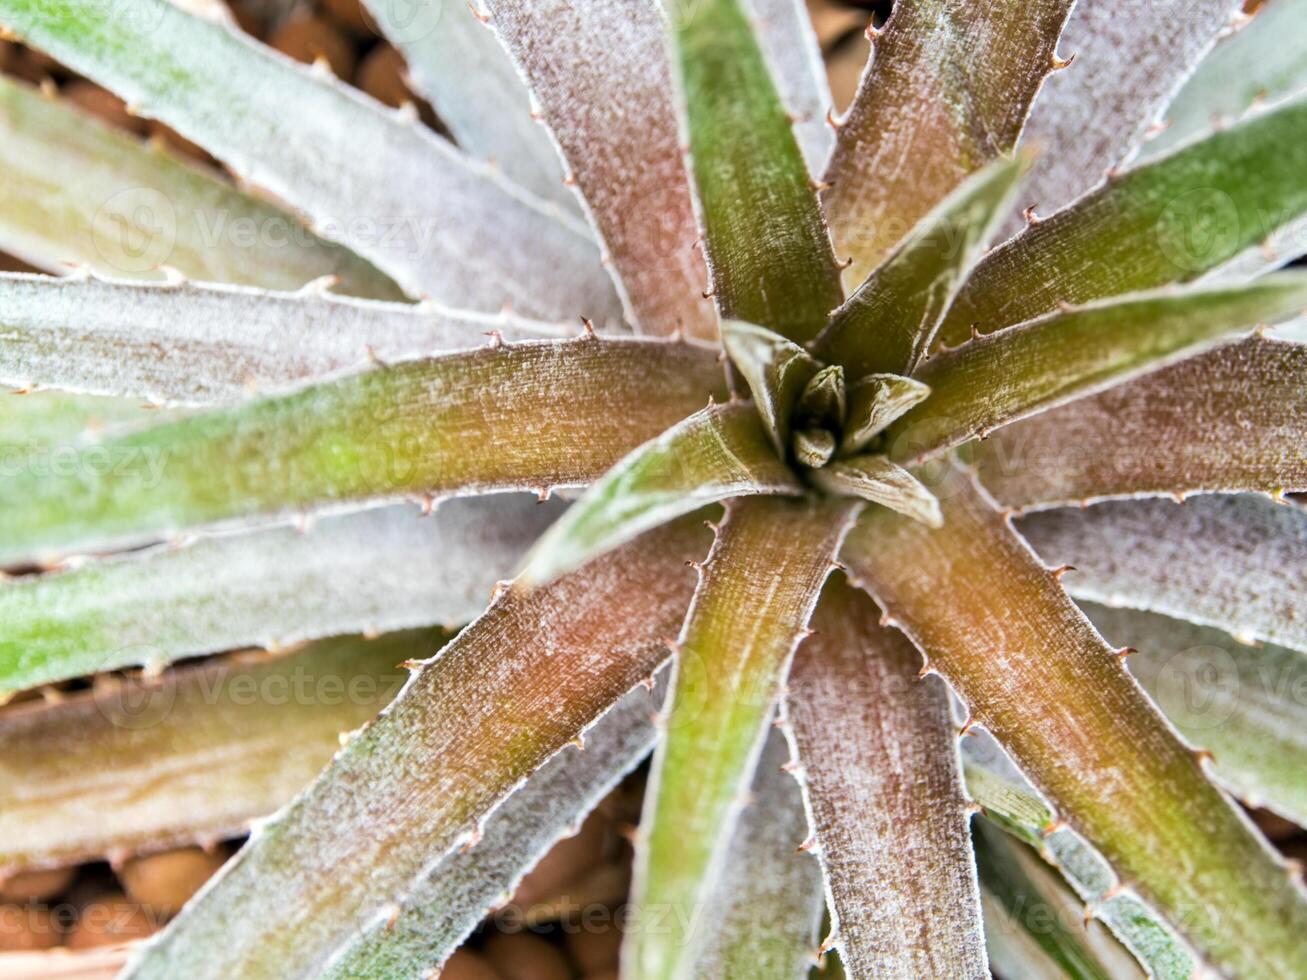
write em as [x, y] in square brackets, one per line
[842, 265]
[409, 664]
[473, 839]
[1029, 214]
[967, 725]
[1061, 570]
[1087, 915]
[819, 185]
[1052, 827]
[791, 767]
[542, 496]
[579, 742]
[831, 121]
[1064, 306]
[648, 683]
[973, 808]
[696, 565]
[1111, 893]
[672, 645]
[1178, 496]
[589, 327]
[807, 845]
[569, 180]
[1277, 495]
[975, 331]
[373, 357]
[480, 15]
[1114, 174]
[1268, 250]
[428, 504]
[871, 33]
[1204, 755]
[392, 918]
[827, 944]
[708, 293]
[1124, 652]
[1060, 64]
[172, 277]
[888, 621]
[496, 339]
[925, 671]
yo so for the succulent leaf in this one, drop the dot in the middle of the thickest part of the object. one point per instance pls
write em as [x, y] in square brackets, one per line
[875, 401]
[382, 569]
[763, 919]
[1165, 221]
[140, 208]
[1235, 700]
[1094, 115]
[434, 212]
[887, 325]
[876, 478]
[999, 378]
[200, 344]
[420, 427]
[457, 62]
[451, 897]
[600, 75]
[512, 690]
[947, 91]
[1032, 670]
[769, 256]
[1229, 420]
[716, 453]
[814, 447]
[878, 755]
[775, 369]
[756, 592]
[1232, 563]
[191, 756]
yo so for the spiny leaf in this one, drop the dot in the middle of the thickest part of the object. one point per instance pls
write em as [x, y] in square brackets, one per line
[888, 324]
[814, 447]
[198, 344]
[1167, 221]
[878, 758]
[530, 415]
[600, 75]
[1229, 420]
[432, 213]
[789, 43]
[765, 913]
[1232, 563]
[1029, 916]
[192, 756]
[999, 378]
[1262, 62]
[140, 208]
[824, 400]
[457, 62]
[512, 690]
[755, 595]
[716, 453]
[1032, 670]
[1008, 800]
[452, 896]
[881, 481]
[1128, 58]
[775, 369]
[948, 90]
[1242, 703]
[382, 569]
[768, 253]
[875, 401]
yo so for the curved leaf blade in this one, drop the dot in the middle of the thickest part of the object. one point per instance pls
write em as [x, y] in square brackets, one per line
[201, 344]
[139, 208]
[948, 91]
[881, 481]
[878, 755]
[1227, 421]
[1000, 378]
[874, 402]
[776, 370]
[756, 592]
[421, 427]
[987, 613]
[789, 43]
[769, 256]
[1170, 220]
[510, 692]
[600, 75]
[429, 213]
[716, 453]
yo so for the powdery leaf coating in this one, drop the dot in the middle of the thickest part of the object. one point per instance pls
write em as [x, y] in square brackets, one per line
[478, 422]
[139, 208]
[1229, 420]
[948, 90]
[515, 687]
[1032, 670]
[789, 43]
[195, 755]
[599, 72]
[715, 454]
[1232, 563]
[453, 894]
[1165, 221]
[756, 592]
[378, 570]
[457, 62]
[1130, 57]
[763, 918]
[200, 344]
[769, 255]
[1244, 704]
[999, 378]
[437, 221]
[878, 755]
[876, 478]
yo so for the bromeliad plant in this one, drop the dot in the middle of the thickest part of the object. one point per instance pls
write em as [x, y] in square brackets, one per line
[1099, 350]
